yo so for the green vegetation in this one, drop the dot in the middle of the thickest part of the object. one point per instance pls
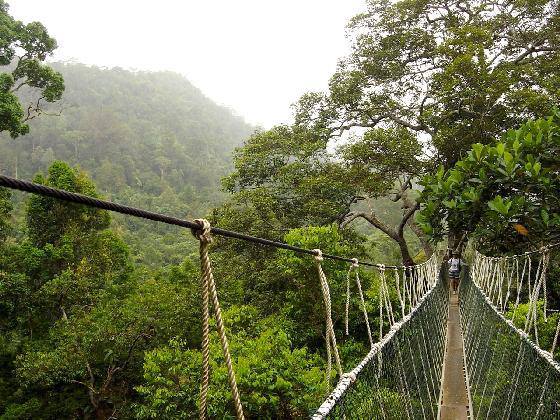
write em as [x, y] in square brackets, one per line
[100, 316]
[505, 194]
[24, 48]
[150, 140]
[424, 81]
[85, 333]
[277, 381]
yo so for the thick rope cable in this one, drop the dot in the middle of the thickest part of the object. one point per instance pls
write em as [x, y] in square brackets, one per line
[330, 337]
[30, 187]
[209, 290]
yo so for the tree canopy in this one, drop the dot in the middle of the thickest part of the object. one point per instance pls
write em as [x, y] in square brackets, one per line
[424, 81]
[455, 72]
[504, 194]
[100, 316]
[23, 48]
[173, 145]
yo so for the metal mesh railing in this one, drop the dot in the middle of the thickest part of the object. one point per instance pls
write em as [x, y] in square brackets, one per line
[400, 376]
[509, 376]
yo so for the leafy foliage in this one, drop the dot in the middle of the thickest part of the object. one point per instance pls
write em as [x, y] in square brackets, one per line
[456, 73]
[150, 140]
[506, 194]
[290, 177]
[5, 211]
[84, 333]
[23, 47]
[275, 380]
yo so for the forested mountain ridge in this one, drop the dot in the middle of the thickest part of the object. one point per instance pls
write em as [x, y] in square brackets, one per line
[148, 139]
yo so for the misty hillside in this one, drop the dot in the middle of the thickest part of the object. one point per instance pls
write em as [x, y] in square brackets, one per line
[147, 139]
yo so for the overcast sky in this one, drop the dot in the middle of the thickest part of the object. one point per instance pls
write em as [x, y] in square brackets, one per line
[255, 56]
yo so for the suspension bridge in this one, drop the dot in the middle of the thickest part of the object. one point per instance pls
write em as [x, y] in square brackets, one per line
[476, 354]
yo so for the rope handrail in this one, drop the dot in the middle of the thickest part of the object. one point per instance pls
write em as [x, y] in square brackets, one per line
[508, 372]
[506, 257]
[349, 378]
[31, 187]
[524, 336]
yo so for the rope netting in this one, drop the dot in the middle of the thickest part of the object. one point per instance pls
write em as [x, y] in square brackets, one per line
[400, 376]
[503, 309]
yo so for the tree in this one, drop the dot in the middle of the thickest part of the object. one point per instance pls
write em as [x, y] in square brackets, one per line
[50, 220]
[48, 280]
[454, 72]
[5, 210]
[100, 122]
[275, 379]
[425, 80]
[24, 48]
[505, 195]
[289, 177]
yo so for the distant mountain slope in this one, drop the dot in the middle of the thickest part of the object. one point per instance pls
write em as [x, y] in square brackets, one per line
[147, 139]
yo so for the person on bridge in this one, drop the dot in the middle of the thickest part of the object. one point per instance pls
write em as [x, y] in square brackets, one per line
[455, 264]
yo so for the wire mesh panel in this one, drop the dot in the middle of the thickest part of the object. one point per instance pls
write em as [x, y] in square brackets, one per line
[400, 377]
[509, 376]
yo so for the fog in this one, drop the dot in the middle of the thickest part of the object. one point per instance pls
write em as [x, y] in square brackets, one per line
[254, 56]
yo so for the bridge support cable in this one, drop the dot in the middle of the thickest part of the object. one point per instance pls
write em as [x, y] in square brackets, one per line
[502, 302]
[400, 376]
[70, 197]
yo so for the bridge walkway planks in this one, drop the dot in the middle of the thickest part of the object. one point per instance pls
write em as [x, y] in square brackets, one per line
[454, 404]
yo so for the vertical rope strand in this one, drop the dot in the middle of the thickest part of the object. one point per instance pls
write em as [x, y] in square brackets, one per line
[329, 329]
[209, 288]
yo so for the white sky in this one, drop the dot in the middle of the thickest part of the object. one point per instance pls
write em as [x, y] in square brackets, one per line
[255, 56]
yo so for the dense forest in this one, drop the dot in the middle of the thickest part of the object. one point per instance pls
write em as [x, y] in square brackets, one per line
[150, 140]
[419, 139]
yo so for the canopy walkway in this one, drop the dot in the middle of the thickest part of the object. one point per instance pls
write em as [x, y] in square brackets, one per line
[416, 370]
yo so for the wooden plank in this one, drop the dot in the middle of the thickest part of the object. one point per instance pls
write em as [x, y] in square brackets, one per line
[455, 400]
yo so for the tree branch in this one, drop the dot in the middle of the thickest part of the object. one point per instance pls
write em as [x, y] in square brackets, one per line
[407, 215]
[373, 220]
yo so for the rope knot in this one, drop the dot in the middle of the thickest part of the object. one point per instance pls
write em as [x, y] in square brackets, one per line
[318, 255]
[203, 231]
[355, 263]
[381, 267]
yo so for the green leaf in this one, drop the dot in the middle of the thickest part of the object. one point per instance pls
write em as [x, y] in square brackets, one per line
[450, 204]
[499, 205]
[516, 145]
[545, 217]
[477, 149]
[500, 148]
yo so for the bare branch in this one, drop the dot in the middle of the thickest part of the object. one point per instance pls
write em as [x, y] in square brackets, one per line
[373, 220]
[407, 215]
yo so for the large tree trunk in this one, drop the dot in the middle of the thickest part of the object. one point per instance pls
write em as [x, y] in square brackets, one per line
[426, 246]
[405, 253]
